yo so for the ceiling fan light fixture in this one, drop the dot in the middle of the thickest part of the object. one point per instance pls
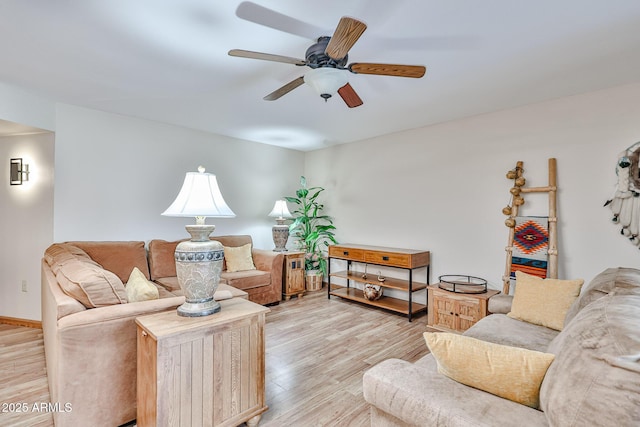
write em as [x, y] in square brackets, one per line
[326, 80]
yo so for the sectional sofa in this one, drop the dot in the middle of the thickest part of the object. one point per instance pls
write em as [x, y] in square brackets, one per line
[89, 327]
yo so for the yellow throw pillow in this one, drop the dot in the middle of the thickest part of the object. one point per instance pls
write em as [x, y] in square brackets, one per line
[238, 258]
[543, 301]
[509, 372]
[139, 288]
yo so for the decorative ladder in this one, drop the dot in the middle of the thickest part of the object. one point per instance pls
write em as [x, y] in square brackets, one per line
[512, 212]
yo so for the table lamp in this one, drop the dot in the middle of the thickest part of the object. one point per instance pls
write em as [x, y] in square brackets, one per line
[199, 260]
[280, 231]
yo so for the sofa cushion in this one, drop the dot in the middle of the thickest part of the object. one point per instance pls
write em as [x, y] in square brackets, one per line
[510, 372]
[543, 301]
[169, 283]
[420, 396]
[232, 241]
[162, 262]
[117, 257]
[60, 253]
[247, 279]
[238, 258]
[139, 288]
[596, 372]
[90, 285]
[500, 329]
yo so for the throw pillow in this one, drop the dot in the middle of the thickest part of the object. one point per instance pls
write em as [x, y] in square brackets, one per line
[91, 285]
[543, 301]
[139, 288]
[238, 258]
[509, 372]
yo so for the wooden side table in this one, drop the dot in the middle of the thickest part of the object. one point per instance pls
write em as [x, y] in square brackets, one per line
[456, 312]
[200, 371]
[293, 275]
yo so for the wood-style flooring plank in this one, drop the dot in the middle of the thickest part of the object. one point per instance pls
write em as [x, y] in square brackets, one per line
[316, 353]
[24, 378]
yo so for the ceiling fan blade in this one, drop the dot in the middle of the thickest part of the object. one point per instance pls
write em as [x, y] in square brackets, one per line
[344, 37]
[415, 71]
[266, 56]
[349, 96]
[270, 18]
[285, 89]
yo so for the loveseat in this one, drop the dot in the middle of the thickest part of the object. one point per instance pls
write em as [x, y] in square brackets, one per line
[90, 331]
[593, 378]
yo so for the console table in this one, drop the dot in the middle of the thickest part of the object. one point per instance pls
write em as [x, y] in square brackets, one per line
[200, 371]
[406, 259]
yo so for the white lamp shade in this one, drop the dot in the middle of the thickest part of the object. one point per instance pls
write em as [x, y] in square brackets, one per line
[280, 210]
[326, 81]
[199, 196]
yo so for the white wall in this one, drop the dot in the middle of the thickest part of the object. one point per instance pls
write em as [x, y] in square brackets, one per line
[442, 188]
[115, 175]
[26, 223]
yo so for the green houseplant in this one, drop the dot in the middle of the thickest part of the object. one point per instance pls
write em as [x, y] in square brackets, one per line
[311, 227]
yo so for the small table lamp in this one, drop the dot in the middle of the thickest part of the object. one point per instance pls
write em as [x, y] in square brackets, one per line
[280, 231]
[199, 260]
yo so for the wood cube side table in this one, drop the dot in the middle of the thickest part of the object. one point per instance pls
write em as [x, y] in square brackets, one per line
[293, 275]
[202, 371]
[456, 312]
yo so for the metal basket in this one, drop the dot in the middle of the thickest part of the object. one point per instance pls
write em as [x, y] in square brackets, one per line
[462, 284]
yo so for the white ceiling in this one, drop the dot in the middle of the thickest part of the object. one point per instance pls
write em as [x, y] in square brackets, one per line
[166, 60]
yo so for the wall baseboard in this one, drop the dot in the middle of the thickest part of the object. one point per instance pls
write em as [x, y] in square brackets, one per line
[21, 322]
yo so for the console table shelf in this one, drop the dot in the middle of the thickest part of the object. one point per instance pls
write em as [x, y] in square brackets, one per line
[393, 304]
[389, 282]
[406, 259]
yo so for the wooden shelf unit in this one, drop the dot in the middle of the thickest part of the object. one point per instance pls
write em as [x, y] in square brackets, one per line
[406, 259]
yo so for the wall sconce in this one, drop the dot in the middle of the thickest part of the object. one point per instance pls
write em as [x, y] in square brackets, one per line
[18, 172]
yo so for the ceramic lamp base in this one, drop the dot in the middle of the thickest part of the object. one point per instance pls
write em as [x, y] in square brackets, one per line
[280, 233]
[198, 266]
[197, 309]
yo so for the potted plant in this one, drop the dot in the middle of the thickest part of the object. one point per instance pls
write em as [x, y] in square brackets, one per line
[313, 230]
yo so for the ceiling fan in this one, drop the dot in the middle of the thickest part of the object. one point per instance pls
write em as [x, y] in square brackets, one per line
[327, 57]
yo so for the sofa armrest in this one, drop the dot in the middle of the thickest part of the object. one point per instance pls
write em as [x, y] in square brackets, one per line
[500, 304]
[119, 311]
[266, 260]
[272, 262]
[93, 357]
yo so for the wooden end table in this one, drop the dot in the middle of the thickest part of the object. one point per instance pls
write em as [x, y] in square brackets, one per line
[202, 370]
[293, 275]
[456, 312]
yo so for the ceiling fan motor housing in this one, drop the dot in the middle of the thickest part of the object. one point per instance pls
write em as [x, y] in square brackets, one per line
[317, 58]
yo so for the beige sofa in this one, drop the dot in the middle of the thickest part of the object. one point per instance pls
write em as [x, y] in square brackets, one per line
[91, 352]
[594, 379]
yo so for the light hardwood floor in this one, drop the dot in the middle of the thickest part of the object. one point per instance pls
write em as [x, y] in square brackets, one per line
[317, 351]
[23, 378]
